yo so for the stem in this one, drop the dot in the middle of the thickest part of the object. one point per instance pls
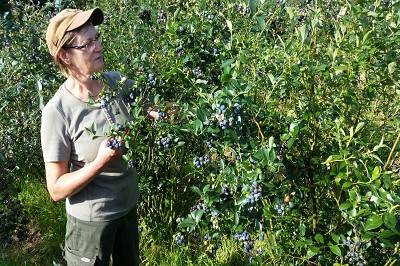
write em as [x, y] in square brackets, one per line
[391, 152]
[259, 130]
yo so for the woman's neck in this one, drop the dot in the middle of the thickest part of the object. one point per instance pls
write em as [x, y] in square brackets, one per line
[83, 89]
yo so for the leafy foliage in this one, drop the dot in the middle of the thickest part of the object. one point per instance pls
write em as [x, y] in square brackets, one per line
[285, 139]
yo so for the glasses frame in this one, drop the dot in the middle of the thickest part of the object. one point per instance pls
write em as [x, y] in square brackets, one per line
[89, 45]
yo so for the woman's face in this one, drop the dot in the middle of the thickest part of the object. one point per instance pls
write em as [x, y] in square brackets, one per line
[85, 52]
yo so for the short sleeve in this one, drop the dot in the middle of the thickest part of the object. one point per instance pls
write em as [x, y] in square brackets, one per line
[56, 143]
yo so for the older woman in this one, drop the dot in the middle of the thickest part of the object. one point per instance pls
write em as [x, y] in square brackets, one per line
[100, 190]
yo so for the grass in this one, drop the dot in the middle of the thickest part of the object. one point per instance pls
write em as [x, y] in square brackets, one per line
[46, 231]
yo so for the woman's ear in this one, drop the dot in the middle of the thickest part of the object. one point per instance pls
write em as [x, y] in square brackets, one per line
[64, 56]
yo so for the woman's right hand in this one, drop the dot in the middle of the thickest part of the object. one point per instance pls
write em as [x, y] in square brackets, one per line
[108, 153]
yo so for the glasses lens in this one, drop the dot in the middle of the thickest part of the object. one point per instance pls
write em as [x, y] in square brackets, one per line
[92, 44]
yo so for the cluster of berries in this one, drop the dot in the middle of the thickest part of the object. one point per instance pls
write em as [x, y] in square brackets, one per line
[120, 127]
[214, 219]
[253, 161]
[224, 120]
[209, 143]
[106, 99]
[163, 142]
[114, 143]
[245, 238]
[179, 220]
[182, 30]
[162, 16]
[353, 256]
[94, 77]
[244, 11]
[225, 193]
[281, 151]
[302, 16]
[131, 164]
[200, 206]
[208, 238]
[280, 208]
[151, 81]
[161, 114]
[209, 17]
[221, 117]
[180, 47]
[214, 51]
[197, 72]
[33, 56]
[201, 161]
[7, 42]
[255, 193]
[179, 239]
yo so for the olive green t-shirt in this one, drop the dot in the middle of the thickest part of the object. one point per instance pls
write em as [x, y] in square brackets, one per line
[65, 137]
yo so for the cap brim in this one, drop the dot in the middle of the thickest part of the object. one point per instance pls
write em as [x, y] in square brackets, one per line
[94, 15]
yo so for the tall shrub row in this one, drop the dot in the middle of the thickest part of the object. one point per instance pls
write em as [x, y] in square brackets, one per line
[286, 135]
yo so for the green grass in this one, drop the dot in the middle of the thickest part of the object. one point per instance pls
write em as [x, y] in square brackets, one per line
[47, 229]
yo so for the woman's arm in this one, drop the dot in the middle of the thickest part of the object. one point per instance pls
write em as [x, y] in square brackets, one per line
[62, 184]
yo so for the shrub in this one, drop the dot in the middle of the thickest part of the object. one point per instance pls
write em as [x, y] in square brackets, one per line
[285, 139]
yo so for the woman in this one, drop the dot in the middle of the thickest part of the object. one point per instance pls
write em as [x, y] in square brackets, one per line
[100, 190]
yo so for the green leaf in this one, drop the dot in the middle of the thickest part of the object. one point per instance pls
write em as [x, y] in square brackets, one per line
[261, 22]
[271, 142]
[289, 11]
[237, 218]
[336, 250]
[254, 5]
[344, 206]
[386, 234]
[285, 136]
[319, 238]
[392, 67]
[335, 238]
[180, 143]
[92, 129]
[242, 200]
[290, 142]
[187, 222]
[228, 62]
[176, 13]
[347, 184]
[359, 126]
[197, 214]
[206, 188]
[376, 173]
[373, 221]
[303, 32]
[196, 190]
[390, 220]
[156, 99]
[302, 229]
[229, 24]
[197, 125]
[294, 129]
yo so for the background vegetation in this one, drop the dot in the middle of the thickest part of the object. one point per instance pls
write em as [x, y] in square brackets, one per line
[284, 150]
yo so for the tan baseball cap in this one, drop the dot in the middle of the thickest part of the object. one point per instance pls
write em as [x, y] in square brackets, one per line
[68, 20]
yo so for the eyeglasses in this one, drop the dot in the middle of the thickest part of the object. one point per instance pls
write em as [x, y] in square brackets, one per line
[89, 46]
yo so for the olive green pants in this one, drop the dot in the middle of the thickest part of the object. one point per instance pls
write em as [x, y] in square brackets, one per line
[94, 243]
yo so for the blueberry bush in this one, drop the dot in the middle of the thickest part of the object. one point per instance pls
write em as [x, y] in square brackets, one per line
[281, 132]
